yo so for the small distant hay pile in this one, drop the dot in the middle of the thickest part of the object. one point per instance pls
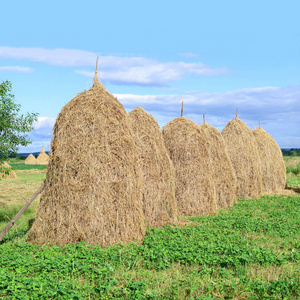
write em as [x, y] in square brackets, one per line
[223, 173]
[30, 160]
[188, 148]
[93, 185]
[11, 174]
[272, 164]
[243, 152]
[158, 187]
[43, 158]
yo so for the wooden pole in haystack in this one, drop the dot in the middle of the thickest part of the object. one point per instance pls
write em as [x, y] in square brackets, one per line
[236, 113]
[204, 119]
[19, 214]
[182, 109]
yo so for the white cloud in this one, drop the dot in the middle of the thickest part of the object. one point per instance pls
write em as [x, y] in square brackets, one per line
[115, 69]
[277, 108]
[40, 135]
[16, 69]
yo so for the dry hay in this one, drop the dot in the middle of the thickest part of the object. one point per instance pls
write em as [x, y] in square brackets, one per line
[223, 173]
[272, 164]
[43, 158]
[92, 189]
[10, 175]
[158, 187]
[243, 152]
[30, 160]
[188, 148]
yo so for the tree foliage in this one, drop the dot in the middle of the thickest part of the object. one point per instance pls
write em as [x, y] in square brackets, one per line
[13, 125]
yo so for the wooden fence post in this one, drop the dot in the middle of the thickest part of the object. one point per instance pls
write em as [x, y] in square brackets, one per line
[19, 214]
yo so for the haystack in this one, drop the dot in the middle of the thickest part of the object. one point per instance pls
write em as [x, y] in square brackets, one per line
[243, 152]
[93, 184]
[158, 187]
[189, 151]
[11, 174]
[223, 173]
[43, 158]
[30, 160]
[272, 164]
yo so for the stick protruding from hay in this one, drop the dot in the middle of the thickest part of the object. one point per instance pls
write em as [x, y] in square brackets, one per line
[182, 109]
[236, 112]
[203, 118]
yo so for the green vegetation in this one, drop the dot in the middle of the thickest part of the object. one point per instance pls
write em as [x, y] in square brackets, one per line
[293, 169]
[249, 251]
[13, 125]
[22, 166]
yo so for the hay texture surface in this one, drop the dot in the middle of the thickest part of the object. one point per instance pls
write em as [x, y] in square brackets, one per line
[243, 152]
[158, 186]
[10, 175]
[272, 164]
[92, 188]
[30, 160]
[43, 158]
[223, 173]
[189, 151]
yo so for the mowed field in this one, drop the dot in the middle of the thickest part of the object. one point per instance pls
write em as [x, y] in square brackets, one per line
[248, 251]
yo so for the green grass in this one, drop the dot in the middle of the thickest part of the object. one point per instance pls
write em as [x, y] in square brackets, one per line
[293, 169]
[22, 166]
[248, 251]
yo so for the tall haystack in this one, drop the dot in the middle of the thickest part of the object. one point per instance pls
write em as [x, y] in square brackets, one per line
[43, 158]
[189, 151]
[8, 172]
[30, 160]
[93, 185]
[272, 164]
[158, 186]
[243, 152]
[223, 173]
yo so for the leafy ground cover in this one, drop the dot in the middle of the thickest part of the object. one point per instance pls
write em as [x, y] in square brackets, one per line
[248, 251]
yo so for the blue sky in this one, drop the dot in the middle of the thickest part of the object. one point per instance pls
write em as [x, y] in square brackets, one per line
[214, 55]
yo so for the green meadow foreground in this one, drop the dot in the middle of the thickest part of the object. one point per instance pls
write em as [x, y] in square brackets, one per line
[248, 251]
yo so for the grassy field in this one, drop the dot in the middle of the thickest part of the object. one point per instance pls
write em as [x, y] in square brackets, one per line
[248, 251]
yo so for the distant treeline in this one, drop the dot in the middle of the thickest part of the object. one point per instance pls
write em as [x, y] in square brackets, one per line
[23, 156]
[291, 152]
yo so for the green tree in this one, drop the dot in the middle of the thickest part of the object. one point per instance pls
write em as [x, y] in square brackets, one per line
[13, 125]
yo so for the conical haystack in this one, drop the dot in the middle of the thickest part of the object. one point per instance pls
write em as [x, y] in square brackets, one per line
[7, 169]
[189, 151]
[272, 164]
[43, 158]
[243, 152]
[30, 160]
[93, 185]
[223, 173]
[158, 187]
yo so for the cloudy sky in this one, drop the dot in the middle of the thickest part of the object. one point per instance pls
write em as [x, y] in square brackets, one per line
[213, 55]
